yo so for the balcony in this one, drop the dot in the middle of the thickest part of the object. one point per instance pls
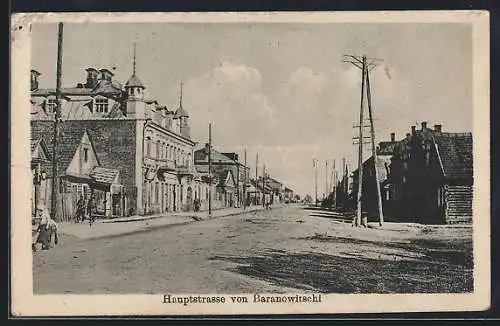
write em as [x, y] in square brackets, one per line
[166, 165]
[160, 164]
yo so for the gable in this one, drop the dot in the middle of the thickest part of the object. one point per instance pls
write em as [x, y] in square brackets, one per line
[84, 158]
[39, 151]
[229, 179]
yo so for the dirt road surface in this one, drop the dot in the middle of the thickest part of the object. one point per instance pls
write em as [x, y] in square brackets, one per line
[279, 250]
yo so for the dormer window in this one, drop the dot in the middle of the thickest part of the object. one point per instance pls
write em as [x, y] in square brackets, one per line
[101, 104]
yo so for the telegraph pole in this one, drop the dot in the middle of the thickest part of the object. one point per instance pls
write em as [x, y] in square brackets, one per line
[263, 185]
[245, 182]
[210, 170]
[57, 117]
[315, 182]
[326, 179]
[256, 175]
[365, 66]
[374, 150]
[360, 150]
[334, 186]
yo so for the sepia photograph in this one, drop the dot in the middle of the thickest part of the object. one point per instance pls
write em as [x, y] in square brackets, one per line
[237, 163]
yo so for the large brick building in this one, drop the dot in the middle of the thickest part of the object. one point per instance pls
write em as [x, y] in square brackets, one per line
[148, 143]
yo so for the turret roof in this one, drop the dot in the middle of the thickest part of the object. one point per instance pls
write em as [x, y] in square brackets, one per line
[134, 81]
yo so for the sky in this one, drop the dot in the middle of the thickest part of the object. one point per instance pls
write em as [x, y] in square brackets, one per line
[278, 89]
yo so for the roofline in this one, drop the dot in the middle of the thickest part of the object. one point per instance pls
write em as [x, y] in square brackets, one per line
[92, 145]
[160, 128]
[439, 156]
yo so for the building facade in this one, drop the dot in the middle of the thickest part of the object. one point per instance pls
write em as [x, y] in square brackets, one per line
[431, 176]
[148, 143]
[221, 163]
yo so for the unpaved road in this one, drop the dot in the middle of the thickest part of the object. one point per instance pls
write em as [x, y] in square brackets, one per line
[281, 250]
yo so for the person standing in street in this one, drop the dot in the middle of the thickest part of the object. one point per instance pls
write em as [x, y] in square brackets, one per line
[80, 210]
[91, 209]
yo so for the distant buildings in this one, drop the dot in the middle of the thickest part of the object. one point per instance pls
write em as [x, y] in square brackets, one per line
[229, 171]
[427, 177]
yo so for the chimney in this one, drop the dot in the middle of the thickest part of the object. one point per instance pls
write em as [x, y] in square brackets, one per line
[437, 128]
[91, 78]
[106, 74]
[424, 125]
[408, 136]
[413, 128]
[34, 80]
[393, 137]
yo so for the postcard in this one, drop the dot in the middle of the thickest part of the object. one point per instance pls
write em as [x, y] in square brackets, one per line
[249, 163]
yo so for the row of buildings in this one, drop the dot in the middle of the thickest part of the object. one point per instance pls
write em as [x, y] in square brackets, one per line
[426, 177]
[135, 155]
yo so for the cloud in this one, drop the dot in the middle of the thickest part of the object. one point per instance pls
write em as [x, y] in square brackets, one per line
[231, 97]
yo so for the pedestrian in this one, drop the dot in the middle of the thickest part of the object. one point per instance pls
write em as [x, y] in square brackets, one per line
[91, 209]
[45, 229]
[80, 210]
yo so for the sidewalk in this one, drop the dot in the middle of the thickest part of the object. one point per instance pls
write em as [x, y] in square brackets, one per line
[135, 224]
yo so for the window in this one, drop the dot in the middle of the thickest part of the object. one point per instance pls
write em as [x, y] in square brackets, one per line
[148, 147]
[158, 150]
[157, 191]
[101, 105]
[51, 105]
[85, 154]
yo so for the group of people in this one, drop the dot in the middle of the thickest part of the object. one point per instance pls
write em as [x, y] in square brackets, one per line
[85, 209]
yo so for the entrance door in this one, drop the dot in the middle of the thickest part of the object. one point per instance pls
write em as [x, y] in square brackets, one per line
[189, 198]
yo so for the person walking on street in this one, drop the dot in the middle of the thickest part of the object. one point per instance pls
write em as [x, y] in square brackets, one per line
[91, 209]
[80, 210]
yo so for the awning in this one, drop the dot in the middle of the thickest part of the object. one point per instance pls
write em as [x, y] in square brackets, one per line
[104, 175]
[78, 178]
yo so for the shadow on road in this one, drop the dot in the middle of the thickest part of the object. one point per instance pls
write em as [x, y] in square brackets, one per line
[443, 267]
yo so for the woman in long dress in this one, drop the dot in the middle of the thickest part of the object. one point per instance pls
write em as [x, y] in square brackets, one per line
[45, 229]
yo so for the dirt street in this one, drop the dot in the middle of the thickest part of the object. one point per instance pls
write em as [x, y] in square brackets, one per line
[279, 250]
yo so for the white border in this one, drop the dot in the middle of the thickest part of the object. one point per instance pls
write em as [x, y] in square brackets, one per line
[24, 303]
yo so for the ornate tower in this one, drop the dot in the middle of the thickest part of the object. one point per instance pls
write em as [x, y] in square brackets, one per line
[183, 118]
[136, 107]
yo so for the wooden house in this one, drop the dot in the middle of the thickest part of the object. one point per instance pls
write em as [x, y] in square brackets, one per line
[431, 177]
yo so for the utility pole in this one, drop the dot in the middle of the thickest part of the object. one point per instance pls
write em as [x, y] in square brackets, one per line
[263, 185]
[374, 151]
[361, 140]
[365, 66]
[57, 117]
[334, 185]
[315, 182]
[245, 182]
[210, 170]
[256, 176]
[326, 180]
